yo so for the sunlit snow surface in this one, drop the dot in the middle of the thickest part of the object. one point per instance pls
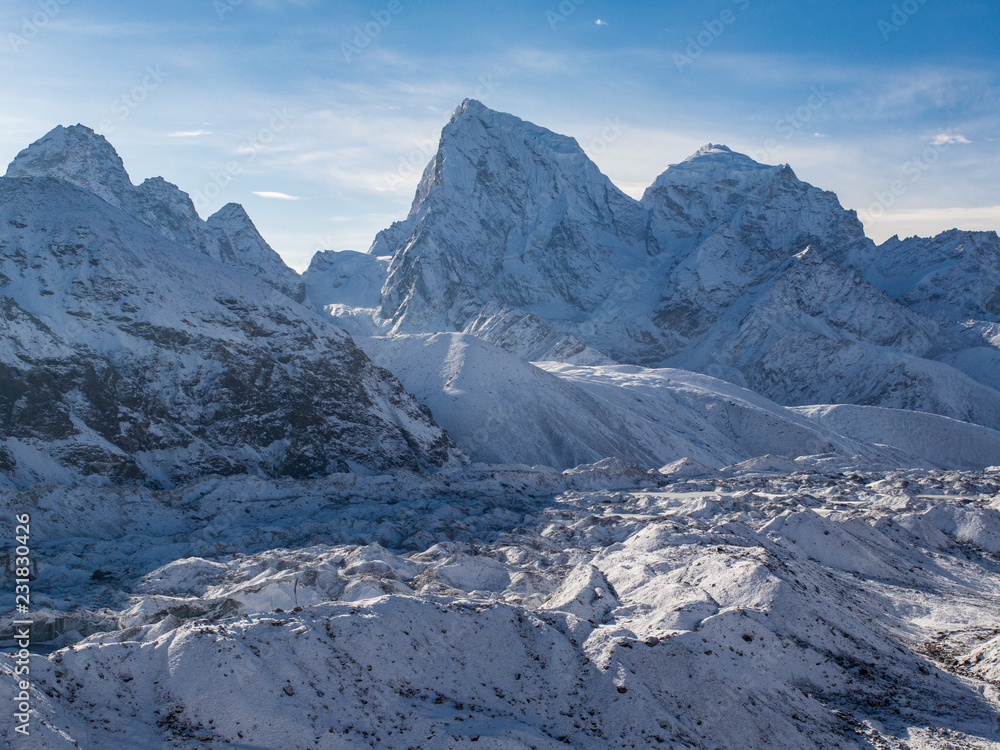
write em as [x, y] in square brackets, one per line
[773, 604]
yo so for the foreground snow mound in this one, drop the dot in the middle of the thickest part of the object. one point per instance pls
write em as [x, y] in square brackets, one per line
[506, 608]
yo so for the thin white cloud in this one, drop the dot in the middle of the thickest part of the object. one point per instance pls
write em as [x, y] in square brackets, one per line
[946, 139]
[276, 196]
[980, 214]
[188, 133]
[599, 22]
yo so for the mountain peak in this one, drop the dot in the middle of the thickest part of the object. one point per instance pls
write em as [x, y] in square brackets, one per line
[715, 163]
[233, 212]
[714, 153]
[240, 244]
[77, 155]
[712, 148]
[472, 107]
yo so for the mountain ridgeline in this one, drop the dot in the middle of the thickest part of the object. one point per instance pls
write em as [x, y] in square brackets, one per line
[725, 266]
[145, 345]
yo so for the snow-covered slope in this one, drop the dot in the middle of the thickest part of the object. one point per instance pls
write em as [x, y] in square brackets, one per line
[725, 266]
[348, 286]
[500, 409]
[954, 276]
[130, 355]
[937, 440]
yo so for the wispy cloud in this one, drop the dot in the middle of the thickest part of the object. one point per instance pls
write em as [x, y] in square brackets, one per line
[946, 139]
[599, 22]
[276, 196]
[188, 133]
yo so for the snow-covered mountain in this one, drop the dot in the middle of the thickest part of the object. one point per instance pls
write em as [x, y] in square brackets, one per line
[725, 266]
[80, 157]
[952, 277]
[507, 211]
[142, 344]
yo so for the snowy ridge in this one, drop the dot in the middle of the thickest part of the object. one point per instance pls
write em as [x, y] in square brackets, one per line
[79, 156]
[725, 266]
[929, 437]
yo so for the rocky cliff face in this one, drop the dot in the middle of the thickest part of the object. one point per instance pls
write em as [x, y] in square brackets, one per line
[141, 344]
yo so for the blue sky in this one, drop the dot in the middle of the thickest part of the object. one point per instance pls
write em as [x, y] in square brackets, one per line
[319, 116]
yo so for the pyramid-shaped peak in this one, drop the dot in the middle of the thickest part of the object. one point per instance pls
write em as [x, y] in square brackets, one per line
[232, 212]
[79, 156]
[472, 107]
[475, 126]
